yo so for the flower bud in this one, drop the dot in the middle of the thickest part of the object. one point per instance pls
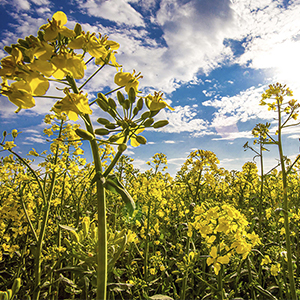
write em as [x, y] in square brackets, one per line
[4, 133]
[113, 138]
[160, 123]
[86, 225]
[101, 131]
[122, 147]
[120, 97]
[112, 103]
[132, 95]
[102, 96]
[77, 29]
[102, 121]
[84, 134]
[111, 126]
[126, 104]
[145, 115]
[140, 103]
[140, 139]
[149, 122]
[102, 104]
[135, 111]
[112, 112]
[154, 113]
[14, 133]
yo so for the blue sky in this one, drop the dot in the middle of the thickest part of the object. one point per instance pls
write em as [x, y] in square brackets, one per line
[211, 58]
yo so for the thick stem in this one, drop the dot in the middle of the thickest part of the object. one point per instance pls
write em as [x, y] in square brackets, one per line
[285, 209]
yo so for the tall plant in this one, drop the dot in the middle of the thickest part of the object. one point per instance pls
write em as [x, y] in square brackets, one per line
[61, 55]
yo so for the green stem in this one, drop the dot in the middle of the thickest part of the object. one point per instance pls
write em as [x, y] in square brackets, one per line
[99, 69]
[101, 206]
[285, 208]
[38, 254]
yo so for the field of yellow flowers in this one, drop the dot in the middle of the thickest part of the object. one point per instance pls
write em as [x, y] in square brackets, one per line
[104, 230]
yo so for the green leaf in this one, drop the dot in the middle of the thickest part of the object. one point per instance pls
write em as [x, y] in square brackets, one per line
[115, 186]
[67, 227]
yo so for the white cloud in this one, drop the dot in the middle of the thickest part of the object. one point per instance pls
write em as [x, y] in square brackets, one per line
[119, 11]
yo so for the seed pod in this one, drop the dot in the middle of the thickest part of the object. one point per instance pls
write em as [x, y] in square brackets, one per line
[102, 96]
[16, 286]
[101, 131]
[160, 123]
[122, 147]
[102, 121]
[140, 139]
[112, 103]
[149, 122]
[111, 126]
[84, 134]
[132, 95]
[145, 115]
[102, 104]
[120, 97]
[140, 103]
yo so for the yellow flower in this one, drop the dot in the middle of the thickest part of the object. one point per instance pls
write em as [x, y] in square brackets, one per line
[216, 260]
[68, 63]
[275, 269]
[155, 103]
[19, 93]
[9, 145]
[128, 80]
[73, 105]
[266, 260]
[11, 64]
[56, 26]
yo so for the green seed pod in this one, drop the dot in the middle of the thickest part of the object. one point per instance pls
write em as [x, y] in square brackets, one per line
[140, 103]
[154, 113]
[84, 134]
[112, 103]
[102, 96]
[101, 131]
[140, 139]
[145, 115]
[122, 147]
[149, 122]
[126, 104]
[120, 97]
[102, 121]
[102, 104]
[132, 95]
[77, 29]
[111, 126]
[16, 286]
[160, 123]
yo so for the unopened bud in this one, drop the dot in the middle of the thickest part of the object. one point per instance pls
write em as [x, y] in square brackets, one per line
[102, 121]
[101, 131]
[140, 139]
[160, 124]
[84, 134]
[149, 122]
[132, 95]
[120, 97]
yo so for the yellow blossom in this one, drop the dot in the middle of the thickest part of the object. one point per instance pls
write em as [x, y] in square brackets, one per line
[73, 105]
[155, 103]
